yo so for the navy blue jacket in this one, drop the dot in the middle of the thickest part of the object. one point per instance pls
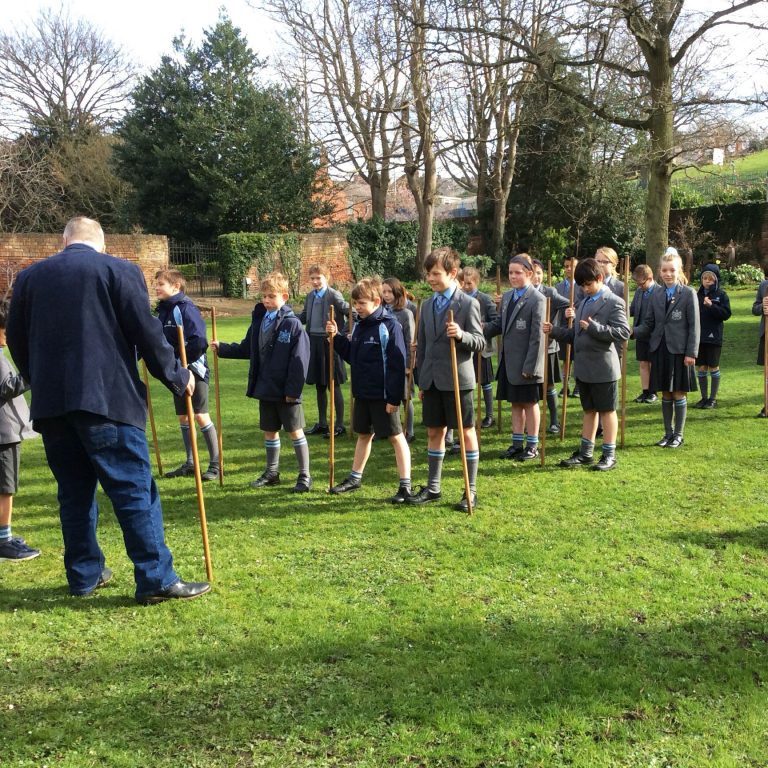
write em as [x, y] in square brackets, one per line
[76, 322]
[195, 342]
[712, 317]
[287, 361]
[377, 357]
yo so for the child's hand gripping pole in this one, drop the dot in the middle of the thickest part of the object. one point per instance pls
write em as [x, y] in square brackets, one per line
[459, 419]
[220, 434]
[195, 457]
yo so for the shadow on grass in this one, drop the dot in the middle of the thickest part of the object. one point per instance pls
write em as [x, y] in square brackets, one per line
[756, 537]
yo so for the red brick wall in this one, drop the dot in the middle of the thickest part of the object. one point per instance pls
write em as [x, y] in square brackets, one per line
[17, 251]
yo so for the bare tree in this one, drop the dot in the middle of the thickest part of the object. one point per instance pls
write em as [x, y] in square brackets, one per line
[60, 76]
[351, 90]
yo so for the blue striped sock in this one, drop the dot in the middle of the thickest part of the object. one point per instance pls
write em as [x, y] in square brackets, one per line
[473, 461]
[587, 447]
[5, 533]
[356, 475]
[273, 454]
[517, 439]
[435, 472]
[609, 449]
[715, 384]
[532, 441]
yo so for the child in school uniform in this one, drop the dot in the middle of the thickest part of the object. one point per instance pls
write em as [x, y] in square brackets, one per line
[316, 312]
[608, 260]
[174, 309]
[376, 353]
[646, 285]
[600, 321]
[760, 308]
[521, 367]
[433, 360]
[394, 298]
[558, 304]
[714, 310]
[564, 289]
[14, 427]
[278, 348]
[671, 327]
[470, 283]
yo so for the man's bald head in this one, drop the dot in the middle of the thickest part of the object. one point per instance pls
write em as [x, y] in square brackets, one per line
[86, 231]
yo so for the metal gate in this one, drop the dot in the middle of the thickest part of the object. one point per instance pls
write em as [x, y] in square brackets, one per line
[199, 263]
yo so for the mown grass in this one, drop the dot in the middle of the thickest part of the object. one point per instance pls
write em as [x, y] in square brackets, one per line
[576, 620]
[754, 163]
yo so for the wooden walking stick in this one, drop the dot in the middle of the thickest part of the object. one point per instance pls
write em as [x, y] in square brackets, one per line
[765, 366]
[332, 410]
[195, 457]
[624, 346]
[498, 351]
[219, 434]
[152, 419]
[351, 396]
[543, 421]
[567, 372]
[459, 419]
[478, 415]
[412, 356]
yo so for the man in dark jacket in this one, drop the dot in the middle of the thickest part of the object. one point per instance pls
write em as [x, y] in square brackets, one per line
[76, 323]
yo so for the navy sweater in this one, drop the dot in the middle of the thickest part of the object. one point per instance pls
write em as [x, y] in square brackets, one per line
[377, 357]
[195, 342]
[711, 318]
[287, 356]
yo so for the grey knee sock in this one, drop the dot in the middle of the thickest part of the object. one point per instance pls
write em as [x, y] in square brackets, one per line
[715, 383]
[488, 399]
[186, 437]
[212, 443]
[681, 410]
[703, 384]
[409, 418]
[338, 404]
[302, 455]
[273, 454]
[552, 405]
[667, 410]
[322, 405]
[435, 464]
[473, 459]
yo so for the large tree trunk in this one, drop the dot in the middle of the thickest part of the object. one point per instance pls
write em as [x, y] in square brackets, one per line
[379, 186]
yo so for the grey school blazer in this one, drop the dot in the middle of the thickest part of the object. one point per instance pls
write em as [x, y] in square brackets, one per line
[557, 304]
[433, 353]
[522, 348]
[596, 359]
[640, 302]
[677, 324]
[330, 298]
[488, 314]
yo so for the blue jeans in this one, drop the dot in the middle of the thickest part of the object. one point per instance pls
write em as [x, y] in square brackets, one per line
[83, 448]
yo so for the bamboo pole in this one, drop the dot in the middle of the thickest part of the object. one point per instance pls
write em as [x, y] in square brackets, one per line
[332, 410]
[479, 414]
[196, 460]
[152, 419]
[217, 390]
[459, 419]
[624, 349]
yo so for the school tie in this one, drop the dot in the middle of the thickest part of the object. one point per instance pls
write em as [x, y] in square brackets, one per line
[268, 321]
[441, 302]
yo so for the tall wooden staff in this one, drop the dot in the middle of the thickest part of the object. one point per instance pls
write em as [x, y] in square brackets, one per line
[624, 346]
[195, 457]
[459, 419]
[351, 396]
[543, 419]
[567, 373]
[152, 419]
[479, 415]
[412, 354]
[220, 436]
[765, 366]
[332, 410]
[498, 350]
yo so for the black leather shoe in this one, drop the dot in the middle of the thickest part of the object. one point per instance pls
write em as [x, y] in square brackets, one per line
[212, 473]
[350, 484]
[181, 590]
[317, 429]
[640, 398]
[337, 432]
[266, 478]
[664, 440]
[553, 429]
[605, 464]
[675, 441]
[512, 452]
[577, 459]
[701, 404]
[710, 404]
[462, 505]
[303, 484]
[487, 422]
[424, 496]
[761, 415]
[651, 398]
[529, 454]
[402, 495]
[185, 470]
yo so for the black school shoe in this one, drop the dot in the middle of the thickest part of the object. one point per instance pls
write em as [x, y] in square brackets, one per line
[424, 496]
[641, 397]
[577, 459]
[512, 452]
[664, 440]
[317, 429]
[303, 484]
[349, 484]
[185, 470]
[701, 404]
[761, 415]
[605, 464]
[487, 422]
[652, 397]
[554, 429]
[181, 590]
[337, 432]
[710, 404]
[402, 495]
[462, 505]
[528, 455]
[675, 441]
[266, 478]
[212, 473]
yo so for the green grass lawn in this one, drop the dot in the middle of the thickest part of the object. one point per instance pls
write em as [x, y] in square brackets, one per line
[578, 619]
[755, 163]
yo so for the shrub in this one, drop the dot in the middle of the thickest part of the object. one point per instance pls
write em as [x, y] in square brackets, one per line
[744, 274]
[238, 251]
[685, 197]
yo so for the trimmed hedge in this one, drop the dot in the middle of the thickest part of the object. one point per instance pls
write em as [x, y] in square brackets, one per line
[267, 252]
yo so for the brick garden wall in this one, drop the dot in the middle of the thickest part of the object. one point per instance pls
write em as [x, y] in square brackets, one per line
[17, 251]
